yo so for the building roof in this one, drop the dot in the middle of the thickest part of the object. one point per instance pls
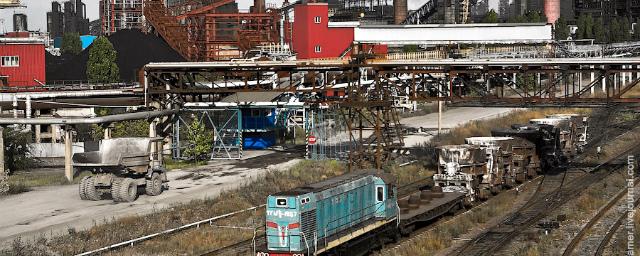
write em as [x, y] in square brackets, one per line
[21, 40]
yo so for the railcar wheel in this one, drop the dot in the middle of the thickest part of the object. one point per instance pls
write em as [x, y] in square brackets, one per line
[153, 186]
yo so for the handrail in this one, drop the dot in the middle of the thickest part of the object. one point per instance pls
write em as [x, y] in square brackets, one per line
[168, 231]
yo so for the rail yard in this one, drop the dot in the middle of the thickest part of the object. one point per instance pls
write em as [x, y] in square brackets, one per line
[236, 127]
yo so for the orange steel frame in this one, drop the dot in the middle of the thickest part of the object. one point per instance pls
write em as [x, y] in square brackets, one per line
[202, 34]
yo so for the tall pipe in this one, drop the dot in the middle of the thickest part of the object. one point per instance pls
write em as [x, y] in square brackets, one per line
[552, 10]
[400, 10]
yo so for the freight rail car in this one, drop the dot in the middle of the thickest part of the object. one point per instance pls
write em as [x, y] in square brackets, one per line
[489, 164]
[339, 213]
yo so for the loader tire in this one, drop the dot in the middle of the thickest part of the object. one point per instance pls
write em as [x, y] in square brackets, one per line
[153, 186]
[82, 188]
[128, 190]
[115, 189]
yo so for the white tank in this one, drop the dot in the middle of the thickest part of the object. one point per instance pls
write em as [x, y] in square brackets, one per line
[485, 141]
[549, 121]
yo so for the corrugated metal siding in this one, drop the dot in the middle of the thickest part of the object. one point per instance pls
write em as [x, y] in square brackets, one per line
[32, 64]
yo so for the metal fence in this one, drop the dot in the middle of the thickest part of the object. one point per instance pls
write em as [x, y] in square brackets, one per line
[225, 125]
[327, 135]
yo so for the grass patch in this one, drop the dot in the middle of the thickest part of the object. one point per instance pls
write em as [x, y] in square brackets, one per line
[484, 127]
[25, 181]
[172, 164]
[249, 194]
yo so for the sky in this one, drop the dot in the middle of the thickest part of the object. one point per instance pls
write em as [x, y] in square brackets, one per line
[37, 14]
[37, 11]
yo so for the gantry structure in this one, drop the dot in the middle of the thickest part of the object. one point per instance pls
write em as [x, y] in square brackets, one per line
[366, 90]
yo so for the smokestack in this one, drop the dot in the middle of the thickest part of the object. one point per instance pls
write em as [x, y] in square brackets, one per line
[258, 6]
[552, 10]
[20, 22]
[400, 10]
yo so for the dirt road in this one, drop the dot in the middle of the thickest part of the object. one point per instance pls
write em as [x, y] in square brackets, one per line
[450, 119]
[55, 209]
[52, 210]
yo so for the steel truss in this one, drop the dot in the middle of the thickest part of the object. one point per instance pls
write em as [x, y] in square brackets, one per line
[365, 92]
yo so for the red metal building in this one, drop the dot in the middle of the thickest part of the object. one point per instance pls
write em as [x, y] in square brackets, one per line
[22, 62]
[313, 35]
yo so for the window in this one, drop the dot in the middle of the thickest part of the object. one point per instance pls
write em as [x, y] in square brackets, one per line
[318, 48]
[10, 61]
[379, 193]
[281, 202]
[317, 19]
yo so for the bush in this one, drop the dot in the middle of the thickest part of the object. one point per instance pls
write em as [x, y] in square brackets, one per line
[17, 150]
[200, 141]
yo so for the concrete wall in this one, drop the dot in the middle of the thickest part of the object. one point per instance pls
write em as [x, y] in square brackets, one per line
[45, 150]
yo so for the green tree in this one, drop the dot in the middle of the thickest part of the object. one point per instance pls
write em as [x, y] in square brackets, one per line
[101, 66]
[410, 48]
[625, 27]
[615, 32]
[132, 128]
[581, 23]
[490, 17]
[588, 27]
[561, 29]
[71, 43]
[534, 17]
[598, 31]
[200, 141]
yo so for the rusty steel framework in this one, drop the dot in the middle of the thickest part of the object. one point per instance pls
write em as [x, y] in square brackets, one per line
[120, 14]
[366, 91]
[212, 32]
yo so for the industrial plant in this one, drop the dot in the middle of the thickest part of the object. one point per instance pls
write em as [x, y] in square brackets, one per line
[338, 127]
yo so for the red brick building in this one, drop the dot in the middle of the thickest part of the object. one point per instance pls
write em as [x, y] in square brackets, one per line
[22, 62]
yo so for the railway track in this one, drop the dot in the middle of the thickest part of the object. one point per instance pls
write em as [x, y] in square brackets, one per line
[245, 246]
[552, 192]
[612, 230]
[597, 232]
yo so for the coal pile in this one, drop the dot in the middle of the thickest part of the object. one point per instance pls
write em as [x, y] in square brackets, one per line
[135, 49]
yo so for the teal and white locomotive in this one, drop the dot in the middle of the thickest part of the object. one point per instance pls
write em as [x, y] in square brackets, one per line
[323, 216]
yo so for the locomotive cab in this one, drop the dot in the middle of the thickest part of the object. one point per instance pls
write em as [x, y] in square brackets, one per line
[313, 219]
[283, 222]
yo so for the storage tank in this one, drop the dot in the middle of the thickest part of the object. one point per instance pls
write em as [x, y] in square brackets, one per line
[552, 10]
[400, 10]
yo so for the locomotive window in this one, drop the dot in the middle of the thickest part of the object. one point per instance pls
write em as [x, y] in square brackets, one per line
[380, 194]
[390, 191]
[281, 202]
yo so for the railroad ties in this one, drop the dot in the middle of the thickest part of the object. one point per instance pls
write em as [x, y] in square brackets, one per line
[552, 192]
